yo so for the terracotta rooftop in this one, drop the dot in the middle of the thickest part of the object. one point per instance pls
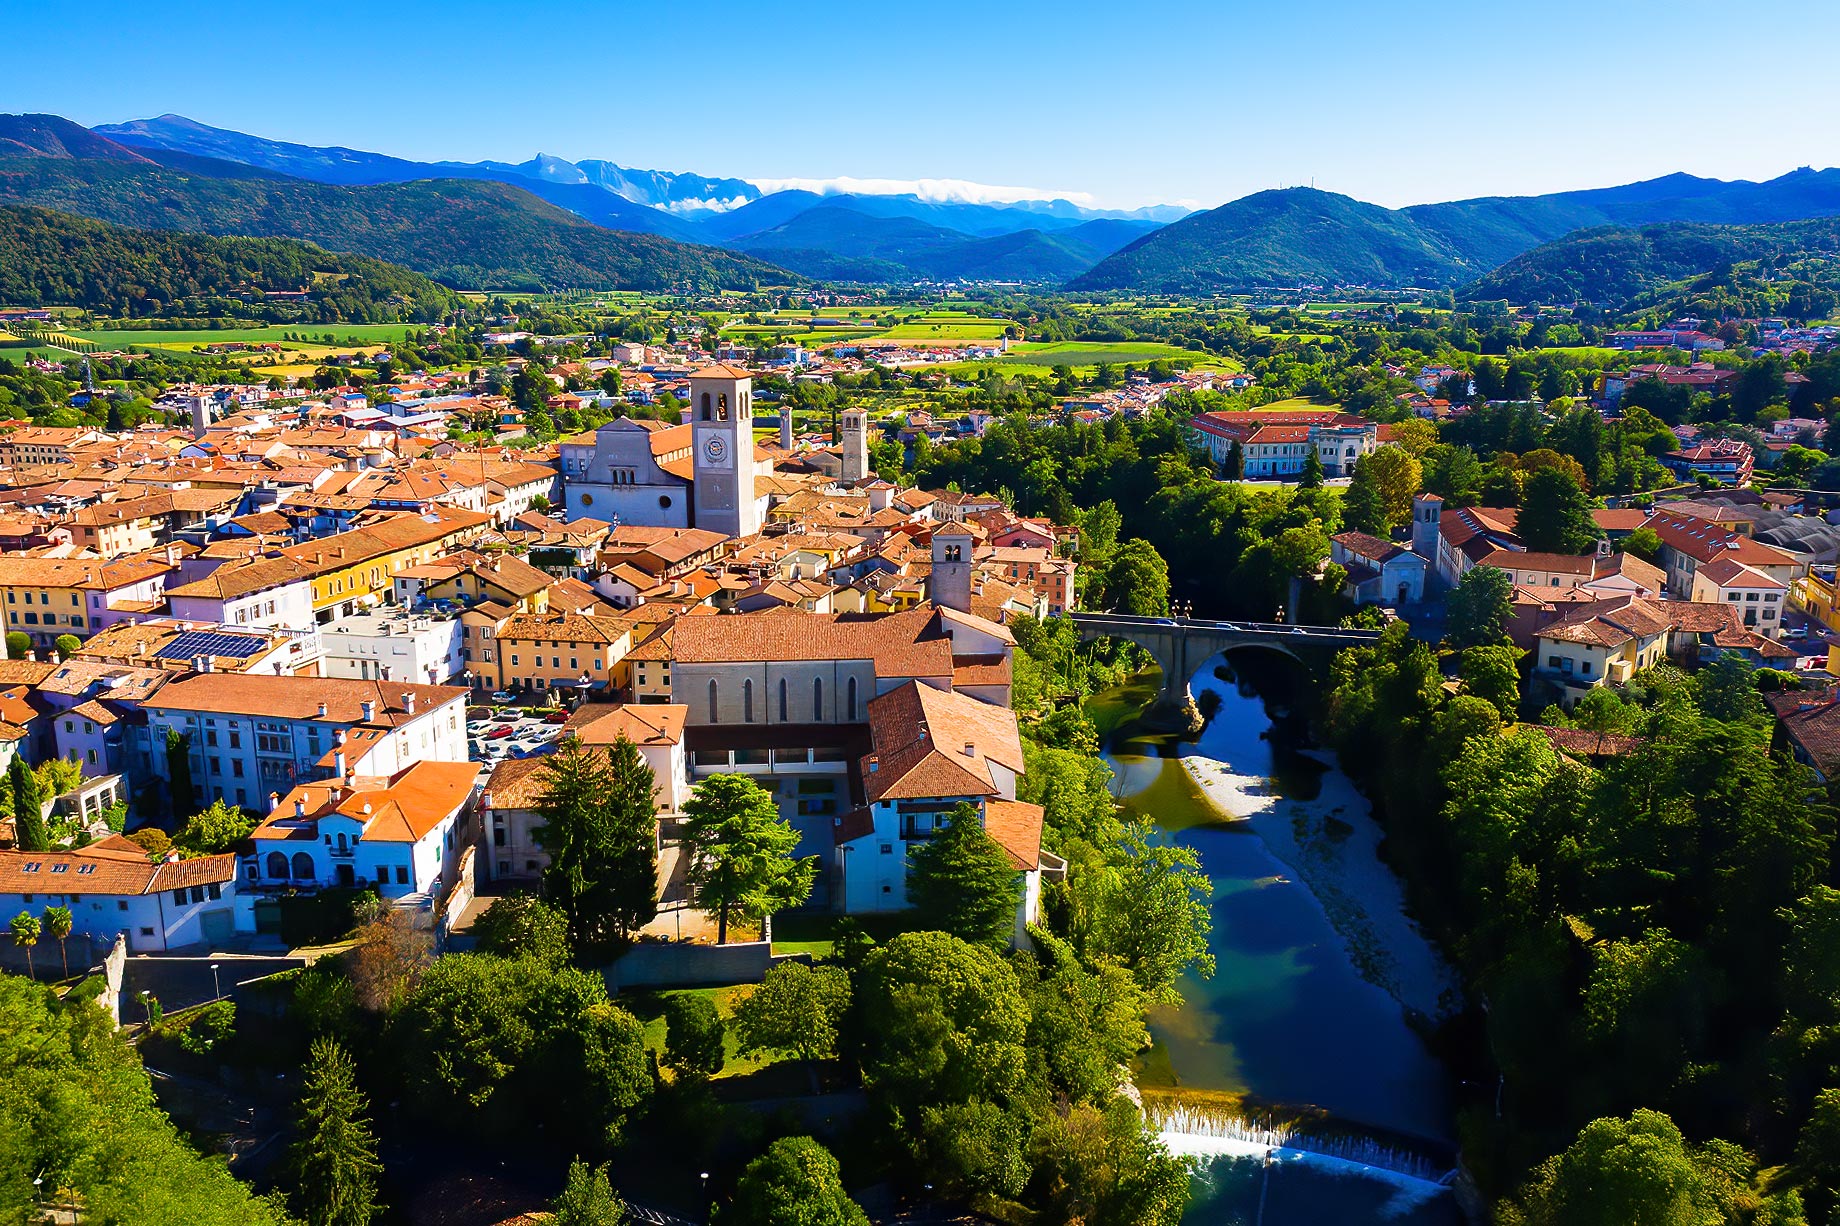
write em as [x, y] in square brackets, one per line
[109, 866]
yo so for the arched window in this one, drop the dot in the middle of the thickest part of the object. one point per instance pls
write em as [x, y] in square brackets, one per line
[277, 865]
[783, 717]
[850, 701]
[747, 701]
[721, 406]
[817, 700]
[715, 715]
[705, 406]
[303, 866]
[745, 407]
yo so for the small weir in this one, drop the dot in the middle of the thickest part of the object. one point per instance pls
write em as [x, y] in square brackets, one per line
[1192, 1132]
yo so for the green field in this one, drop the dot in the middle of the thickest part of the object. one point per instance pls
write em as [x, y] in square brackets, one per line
[1034, 359]
[344, 336]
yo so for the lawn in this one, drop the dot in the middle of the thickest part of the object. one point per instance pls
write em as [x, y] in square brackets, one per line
[811, 932]
[648, 1007]
[1299, 402]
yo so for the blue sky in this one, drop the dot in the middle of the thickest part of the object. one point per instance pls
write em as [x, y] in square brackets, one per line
[1122, 104]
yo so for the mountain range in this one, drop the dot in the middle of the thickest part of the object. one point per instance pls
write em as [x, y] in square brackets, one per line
[1302, 236]
[465, 233]
[855, 237]
[552, 222]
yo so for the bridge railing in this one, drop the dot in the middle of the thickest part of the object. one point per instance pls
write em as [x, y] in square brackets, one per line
[1125, 621]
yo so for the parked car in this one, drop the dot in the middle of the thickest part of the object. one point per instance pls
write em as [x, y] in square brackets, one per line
[556, 717]
[499, 733]
[503, 696]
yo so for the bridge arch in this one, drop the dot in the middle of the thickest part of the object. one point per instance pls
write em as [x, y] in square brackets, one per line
[1181, 645]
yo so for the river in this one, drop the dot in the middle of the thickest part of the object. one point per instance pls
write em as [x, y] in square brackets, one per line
[1322, 985]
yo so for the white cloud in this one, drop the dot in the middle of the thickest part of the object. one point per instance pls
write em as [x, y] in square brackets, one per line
[959, 191]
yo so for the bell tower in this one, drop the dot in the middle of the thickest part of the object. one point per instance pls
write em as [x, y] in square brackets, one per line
[950, 584]
[854, 449]
[722, 435]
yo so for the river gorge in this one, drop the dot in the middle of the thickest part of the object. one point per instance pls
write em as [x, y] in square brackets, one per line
[1298, 1077]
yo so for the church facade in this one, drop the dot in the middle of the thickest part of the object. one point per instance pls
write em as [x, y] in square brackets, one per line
[698, 474]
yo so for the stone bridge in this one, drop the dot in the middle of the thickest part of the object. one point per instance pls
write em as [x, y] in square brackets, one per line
[1181, 645]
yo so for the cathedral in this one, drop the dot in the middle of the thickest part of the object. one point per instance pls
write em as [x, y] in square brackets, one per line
[701, 473]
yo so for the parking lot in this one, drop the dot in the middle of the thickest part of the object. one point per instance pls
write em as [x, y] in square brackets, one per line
[494, 735]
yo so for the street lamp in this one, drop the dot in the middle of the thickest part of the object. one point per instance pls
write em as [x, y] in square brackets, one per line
[216, 988]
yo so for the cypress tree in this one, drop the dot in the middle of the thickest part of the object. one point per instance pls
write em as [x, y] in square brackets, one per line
[179, 772]
[335, 1159]
[28, 820]
[631, 852]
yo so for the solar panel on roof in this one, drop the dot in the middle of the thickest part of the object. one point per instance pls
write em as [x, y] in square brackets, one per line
[212, 643]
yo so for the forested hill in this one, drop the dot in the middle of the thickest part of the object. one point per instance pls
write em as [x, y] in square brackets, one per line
[465, 233]
[1301, 236]
[1295, 236]
[1789, 268]
[48, 258]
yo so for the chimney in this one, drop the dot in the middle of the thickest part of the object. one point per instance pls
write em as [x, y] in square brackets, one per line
[338, 764]
[31, 657]
[485, 801]
[274, 801]
[409, 703]
[875, 763]
[369, 709]
[970, 750]
[300, 807]
[322, 710]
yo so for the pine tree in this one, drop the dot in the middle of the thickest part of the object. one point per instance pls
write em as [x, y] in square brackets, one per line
[335, 1158]
[1556, 514]
[588, 1199]
[740, 852]
[28, 816]
[1312, 477]
[573, 809]
[963, 882]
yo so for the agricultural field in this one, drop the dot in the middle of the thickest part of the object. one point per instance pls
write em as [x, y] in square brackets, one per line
[345, 337]
[1034, 359]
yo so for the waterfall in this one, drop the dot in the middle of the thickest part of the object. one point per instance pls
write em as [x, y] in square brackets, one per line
[1191, 1132]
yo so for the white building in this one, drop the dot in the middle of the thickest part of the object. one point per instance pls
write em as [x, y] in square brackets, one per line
[111, 888]
[933, 751]
[393, 645]
[251, 736]
[403, 832]
[259, 593]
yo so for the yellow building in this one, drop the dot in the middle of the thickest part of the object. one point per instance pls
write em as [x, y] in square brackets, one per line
[48, 597]
[552, 652]
[357, 569]
[1814, 595]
